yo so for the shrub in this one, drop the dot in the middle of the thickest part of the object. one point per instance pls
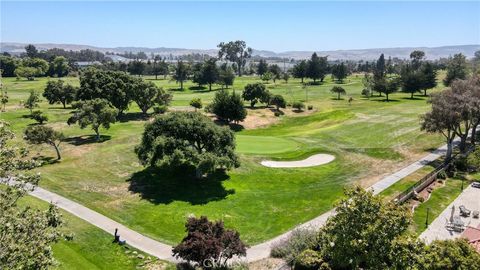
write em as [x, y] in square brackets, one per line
[209, 242]
[278, 101]
[160, 109]
[442, 175]
[461, 164]
[298, 241]
[473, 160]
[298, 105]
[310, 107]
[196, 103]
[39, 117]
[277, 114]
[308, 260]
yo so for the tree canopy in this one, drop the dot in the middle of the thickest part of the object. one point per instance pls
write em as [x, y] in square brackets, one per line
[96, 113]
[187, 139]
[456, 69]
[236, 52]
[44, 135]
[26, 233]
[57, 91]
[228, 107]
[114, 86]
[209, 244]
[254, 93]
[339, 91]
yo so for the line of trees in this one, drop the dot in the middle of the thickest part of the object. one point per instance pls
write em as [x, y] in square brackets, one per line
[455, 112]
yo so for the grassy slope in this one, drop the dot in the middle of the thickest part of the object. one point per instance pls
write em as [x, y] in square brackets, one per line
[91, 248]
[259, 202]
[439, 200]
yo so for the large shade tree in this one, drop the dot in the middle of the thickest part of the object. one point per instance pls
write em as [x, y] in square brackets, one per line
[236, 52]
[187, 139]
[147, 94]
[57, 91]
[113, 86]
[228, 107]
[443, 118]
[363, 230]
[44, 135]
[456, 69]
[95, 113]
[254, 93]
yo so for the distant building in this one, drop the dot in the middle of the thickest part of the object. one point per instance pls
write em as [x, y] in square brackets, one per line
[117, 58]
[82, 64]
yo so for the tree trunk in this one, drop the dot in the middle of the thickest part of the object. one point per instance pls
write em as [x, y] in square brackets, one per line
[209, 87]
[181, 85]
[463, 143]
[387, 97]
[338, 96]
[425, 92]
[198, 173]
[64, 104]
[448, 155]
[97, 133]
[156, 76]
[474, 133]
[58, 152]
[411, 97]
[302, 79]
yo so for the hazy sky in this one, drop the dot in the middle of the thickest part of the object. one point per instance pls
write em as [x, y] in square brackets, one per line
[277, 26]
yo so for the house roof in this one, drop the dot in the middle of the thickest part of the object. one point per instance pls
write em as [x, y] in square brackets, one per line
[473, 236]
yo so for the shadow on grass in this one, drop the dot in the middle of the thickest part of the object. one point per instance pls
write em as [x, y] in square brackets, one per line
[414, 98]
[385, 100]
[161, 186]
[197, 88]
[132, 116]
[86, 139]
[233, 126]
[44, 160]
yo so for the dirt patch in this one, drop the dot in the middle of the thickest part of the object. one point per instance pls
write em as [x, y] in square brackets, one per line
[263, 117]
[76, 151]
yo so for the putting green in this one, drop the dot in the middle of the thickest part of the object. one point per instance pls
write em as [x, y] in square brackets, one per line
[264, 144]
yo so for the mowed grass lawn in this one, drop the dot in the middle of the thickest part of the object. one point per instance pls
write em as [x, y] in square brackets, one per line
[368, 137]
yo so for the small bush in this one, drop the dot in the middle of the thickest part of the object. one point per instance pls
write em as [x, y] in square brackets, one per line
[298, 105]
[277, 114]
[160, 109]
[473, 160]
[310, 107]
[39, 117]
[298, 241]
[308, 260]
[461, 164]
[442, 175]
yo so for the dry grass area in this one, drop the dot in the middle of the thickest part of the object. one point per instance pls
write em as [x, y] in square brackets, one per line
[263, 117]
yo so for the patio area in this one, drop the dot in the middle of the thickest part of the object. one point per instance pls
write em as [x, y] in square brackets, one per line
[448, 224]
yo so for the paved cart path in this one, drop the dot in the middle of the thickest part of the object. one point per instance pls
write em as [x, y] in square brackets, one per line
[164, 251]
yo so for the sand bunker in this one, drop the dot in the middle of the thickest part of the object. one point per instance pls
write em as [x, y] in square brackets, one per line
[311, 161]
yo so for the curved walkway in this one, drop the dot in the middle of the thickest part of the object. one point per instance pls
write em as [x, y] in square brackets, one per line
[164, 251]
[315, 160]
